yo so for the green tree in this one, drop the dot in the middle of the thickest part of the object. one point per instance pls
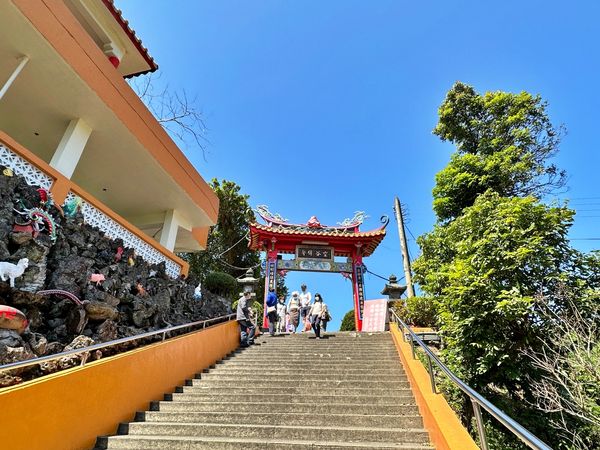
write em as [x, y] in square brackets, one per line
[498, 257]
[227, 247]
[503, 143]
[348, 322]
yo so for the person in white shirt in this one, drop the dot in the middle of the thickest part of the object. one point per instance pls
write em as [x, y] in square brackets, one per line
[305, 303]
[315, 315]
[293, 310]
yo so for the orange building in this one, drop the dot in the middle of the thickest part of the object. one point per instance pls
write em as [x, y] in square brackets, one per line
[69, 122]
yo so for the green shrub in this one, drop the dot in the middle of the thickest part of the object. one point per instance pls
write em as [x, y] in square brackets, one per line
[220, 283]
[417, 311]
[348, 322]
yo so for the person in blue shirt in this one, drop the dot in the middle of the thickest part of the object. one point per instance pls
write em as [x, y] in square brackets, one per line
[272, 310]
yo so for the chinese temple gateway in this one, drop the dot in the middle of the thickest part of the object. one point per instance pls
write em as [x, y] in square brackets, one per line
[315, 247]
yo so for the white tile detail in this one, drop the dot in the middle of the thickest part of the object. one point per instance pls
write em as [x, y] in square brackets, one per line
[33, 176]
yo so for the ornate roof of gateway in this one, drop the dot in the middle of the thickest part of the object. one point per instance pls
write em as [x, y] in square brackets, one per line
[345, 232]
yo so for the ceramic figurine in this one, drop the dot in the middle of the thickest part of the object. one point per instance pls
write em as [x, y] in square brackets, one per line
[119, 254]
[72, 206]
[12, 271]
[97, 278]
[198, 292]
[12, 319]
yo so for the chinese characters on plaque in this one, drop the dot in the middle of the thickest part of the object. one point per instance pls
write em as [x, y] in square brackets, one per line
[315, 252]
[360, 289]
[374, 315]
[271, 273]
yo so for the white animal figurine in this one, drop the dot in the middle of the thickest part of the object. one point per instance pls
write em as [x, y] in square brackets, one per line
[198, 292]
[13, 271]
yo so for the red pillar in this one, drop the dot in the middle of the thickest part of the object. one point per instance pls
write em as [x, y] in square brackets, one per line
[270, 278]
[358, 287]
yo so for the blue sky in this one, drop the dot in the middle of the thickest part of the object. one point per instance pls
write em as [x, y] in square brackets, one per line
[326, 107]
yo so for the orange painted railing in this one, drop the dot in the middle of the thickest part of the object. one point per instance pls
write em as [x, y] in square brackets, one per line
[39, 172]
[69, 409]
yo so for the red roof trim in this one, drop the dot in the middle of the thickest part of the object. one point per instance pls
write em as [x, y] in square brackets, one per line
[117, 14]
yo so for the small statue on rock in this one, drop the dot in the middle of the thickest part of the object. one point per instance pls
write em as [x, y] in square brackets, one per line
[119, 254]
[198, 292]
[12, 271]
[12, 319]
[72, 206]
[141, 290]
[97, 278]
[37, 219]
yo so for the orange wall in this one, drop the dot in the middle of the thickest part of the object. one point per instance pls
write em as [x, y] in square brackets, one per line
[68, 410]
[445, 429]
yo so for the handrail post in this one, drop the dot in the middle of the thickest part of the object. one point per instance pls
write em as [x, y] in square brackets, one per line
[431, 375]
[480, 427]
[412, 347]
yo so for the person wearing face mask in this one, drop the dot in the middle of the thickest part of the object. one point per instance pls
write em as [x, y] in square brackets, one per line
[294, 310]
[281, 313]
[305, 303]
[315, 314]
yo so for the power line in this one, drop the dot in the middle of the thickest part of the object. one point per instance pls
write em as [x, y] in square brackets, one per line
[379, 276]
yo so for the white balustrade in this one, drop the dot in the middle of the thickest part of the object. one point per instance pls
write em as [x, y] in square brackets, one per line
[33, 176]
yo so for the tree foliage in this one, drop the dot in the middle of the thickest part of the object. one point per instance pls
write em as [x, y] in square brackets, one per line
[568, 359]
[503, 143]
[417, 311]
[499, 259]
[227, 247]
[348, 322]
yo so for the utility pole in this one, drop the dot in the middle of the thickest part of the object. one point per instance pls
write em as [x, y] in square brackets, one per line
[405, 259]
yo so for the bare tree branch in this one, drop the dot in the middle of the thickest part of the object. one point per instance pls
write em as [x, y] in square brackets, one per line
[175, 111]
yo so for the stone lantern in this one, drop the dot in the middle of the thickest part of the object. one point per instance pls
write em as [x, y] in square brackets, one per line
[393, 290]
[248, 283]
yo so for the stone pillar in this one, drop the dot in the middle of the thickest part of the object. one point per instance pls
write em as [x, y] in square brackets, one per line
[358, 287]
[168, 234]
[71, 147]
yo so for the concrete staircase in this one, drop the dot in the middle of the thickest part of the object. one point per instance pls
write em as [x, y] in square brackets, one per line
[345, 391]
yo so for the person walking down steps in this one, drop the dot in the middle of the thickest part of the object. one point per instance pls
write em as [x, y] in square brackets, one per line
[305, 303]
[315, 314]
[294, 310]
[272, 310]
[281, 315]
[244, 320]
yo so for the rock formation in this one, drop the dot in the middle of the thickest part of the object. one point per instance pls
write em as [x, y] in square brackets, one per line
[131, 300]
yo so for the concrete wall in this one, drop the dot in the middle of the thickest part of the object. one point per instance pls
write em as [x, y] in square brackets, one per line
[68, 410]
[445, 429]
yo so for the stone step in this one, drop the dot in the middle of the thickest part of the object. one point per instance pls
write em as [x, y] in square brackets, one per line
[283, 379]
[319, 343]
[285, 356]
[395, 397]
[315, 362]
[294, 372]
[296, 391]
[228, 443]
[268, 350]
[311, 384]
[277, 419]
[280, 406]
[316, 433]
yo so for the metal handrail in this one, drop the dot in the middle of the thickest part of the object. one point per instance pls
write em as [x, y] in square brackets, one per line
[77, 351]
[477, 399]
